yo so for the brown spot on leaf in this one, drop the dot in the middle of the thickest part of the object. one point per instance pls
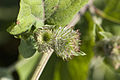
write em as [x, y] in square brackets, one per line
[18, 22]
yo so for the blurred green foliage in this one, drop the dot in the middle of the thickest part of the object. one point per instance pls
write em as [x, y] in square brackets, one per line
[112, 9]
[87, 67]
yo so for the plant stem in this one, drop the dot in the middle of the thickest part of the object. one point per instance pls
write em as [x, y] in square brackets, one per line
[43, 61]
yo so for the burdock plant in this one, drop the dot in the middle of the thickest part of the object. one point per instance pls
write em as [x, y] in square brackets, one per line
[41, 27]
[63, 40]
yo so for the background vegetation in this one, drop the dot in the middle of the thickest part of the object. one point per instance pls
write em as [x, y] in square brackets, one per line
[99, 19]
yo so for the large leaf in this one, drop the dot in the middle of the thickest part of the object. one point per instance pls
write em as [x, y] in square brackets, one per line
[64, 11]
[27, 16]
[36, 12]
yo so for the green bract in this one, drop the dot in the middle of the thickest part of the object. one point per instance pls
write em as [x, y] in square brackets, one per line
[64, 41]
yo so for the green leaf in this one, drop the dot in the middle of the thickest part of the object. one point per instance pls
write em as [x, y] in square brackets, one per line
[64, 11]
[30, 12]
[105, 34]
[25, 24]
[27, 47]
[101, 33]
[36, 12]
[27, 66]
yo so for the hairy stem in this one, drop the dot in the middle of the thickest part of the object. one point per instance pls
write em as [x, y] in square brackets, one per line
[41, 64]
